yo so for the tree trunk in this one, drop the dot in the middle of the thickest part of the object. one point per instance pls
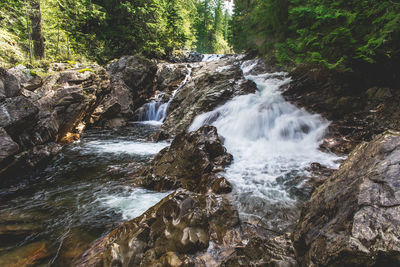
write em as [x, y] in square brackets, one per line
[37, 34]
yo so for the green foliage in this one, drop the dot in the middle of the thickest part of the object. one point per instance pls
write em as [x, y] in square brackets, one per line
[342, 35]
[212, 27]
[102, 29]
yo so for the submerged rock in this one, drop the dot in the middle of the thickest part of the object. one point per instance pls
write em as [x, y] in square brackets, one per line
[353, 218]
[191, 162]
[168, 234]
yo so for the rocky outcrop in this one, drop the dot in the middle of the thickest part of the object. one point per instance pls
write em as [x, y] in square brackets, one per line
[358, 112]
[191, 162]
[9, 85]
[168, 234]
[353, 218]
[56, 112]
[219, 81]
[261, 251]
[132, 80]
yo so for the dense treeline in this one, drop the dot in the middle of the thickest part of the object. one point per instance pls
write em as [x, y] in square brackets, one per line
[106, 29]
[347, 35]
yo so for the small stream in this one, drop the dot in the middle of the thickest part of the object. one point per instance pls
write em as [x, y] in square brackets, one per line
[53, 215]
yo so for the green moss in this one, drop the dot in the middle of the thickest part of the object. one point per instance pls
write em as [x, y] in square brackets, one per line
[33, 73]
[85, 69]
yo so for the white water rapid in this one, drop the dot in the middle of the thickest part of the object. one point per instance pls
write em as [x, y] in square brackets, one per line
[272, 143]
[155, 111]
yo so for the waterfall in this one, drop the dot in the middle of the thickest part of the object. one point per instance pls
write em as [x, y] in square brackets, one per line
[272, 142]
[156, 110]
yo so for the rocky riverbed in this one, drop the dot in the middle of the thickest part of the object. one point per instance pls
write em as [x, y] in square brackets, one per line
[250, 179]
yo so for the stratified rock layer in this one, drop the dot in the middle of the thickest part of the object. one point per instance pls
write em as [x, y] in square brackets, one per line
[34, 123]
[353, 219]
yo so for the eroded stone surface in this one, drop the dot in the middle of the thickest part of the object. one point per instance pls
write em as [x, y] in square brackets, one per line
[191, 162]
[353, 218]
[211, 84]
[171, 232]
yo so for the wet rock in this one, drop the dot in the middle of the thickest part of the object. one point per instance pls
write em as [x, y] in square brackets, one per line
[353, 218]
[358, 112]
[211, 84]
[138, 73]
[169, 76]
[9, 84]
[17, 114]
[131, 85]
[171, 232]
[191, 162]
[7, 146]
[56, 112]
[259, 251]
[33, 254]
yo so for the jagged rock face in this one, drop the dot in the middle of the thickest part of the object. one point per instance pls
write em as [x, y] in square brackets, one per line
[357, 113]
[169, 76]
[56, 112]
[9, 85]
[131, 85]
[182, 223]
[353, 219]
[191, 162]
[259, 251]
[211, 84]
[7, 145]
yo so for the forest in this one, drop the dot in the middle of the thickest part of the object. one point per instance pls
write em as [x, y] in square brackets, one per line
[342, 35]
[102, 30]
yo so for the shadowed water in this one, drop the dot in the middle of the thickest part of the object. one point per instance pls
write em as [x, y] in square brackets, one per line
[50, 217]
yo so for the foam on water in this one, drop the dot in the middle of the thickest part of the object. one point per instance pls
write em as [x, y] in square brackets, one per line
[131, 202]
[212, 57]
[156, 111]
[270, 139]
[120, 146]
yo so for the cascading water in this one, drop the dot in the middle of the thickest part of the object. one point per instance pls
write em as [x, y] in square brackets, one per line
[156, 110]
[272, 143]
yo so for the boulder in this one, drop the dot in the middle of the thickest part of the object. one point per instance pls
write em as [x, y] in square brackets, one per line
[7, 146]
[353, 218]
[17, 115]
[9, 84]
[260, 251]
[56, 112]
[138, 73]
[168, 234]
[169, 76]
[191, 162]
[132, 84]
[218, 84]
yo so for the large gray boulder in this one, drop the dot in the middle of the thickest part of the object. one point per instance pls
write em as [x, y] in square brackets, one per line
[131, 86]
[9, 84]
[353, 219]
[17, 115]
[7, 146]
